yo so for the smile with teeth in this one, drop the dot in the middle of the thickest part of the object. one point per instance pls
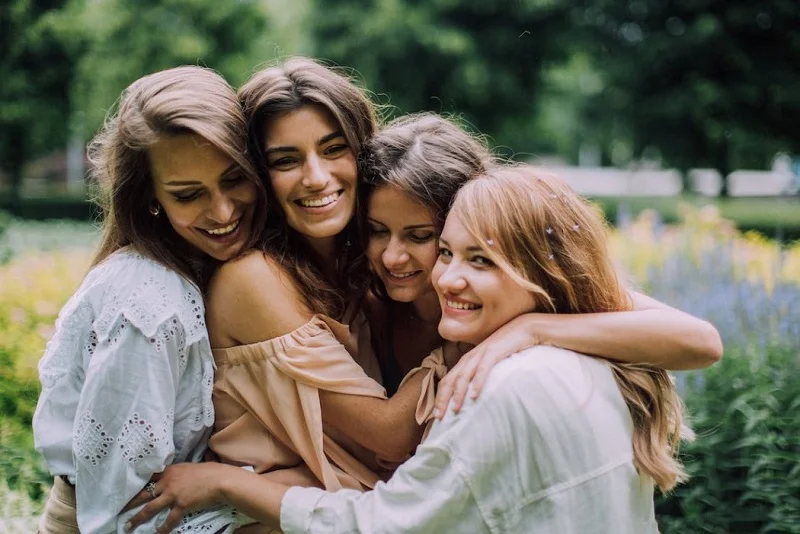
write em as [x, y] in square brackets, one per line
[224, 230]
[462, 305]
[402, 275]
[319, 202]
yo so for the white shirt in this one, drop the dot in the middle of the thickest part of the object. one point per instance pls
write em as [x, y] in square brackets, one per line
[547, 448]
[126, 390]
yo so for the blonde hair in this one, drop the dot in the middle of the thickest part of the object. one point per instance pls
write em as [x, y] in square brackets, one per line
[553, 243]
[172, 102]
[283, 88]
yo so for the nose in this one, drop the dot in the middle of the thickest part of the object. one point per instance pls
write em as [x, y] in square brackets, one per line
[316, 176]
[221, 208]
[451, 280]
[394, 255]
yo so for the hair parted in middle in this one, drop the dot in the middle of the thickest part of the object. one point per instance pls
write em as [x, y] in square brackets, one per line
[553, 243]
[424, 155]
[273, 92]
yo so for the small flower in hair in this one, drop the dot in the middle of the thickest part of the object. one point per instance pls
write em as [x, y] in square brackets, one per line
[553, 195]
[490, 242]
[575, 227]
[550, 256]
[549, 230]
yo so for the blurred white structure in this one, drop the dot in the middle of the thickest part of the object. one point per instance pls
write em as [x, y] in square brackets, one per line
[646, 182]
[610, 181]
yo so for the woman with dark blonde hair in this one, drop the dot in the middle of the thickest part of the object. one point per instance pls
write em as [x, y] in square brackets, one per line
[557, 442]
[413, 169]
[126, 378]
[411, 173]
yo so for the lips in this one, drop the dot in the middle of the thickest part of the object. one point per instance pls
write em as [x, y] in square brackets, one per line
[225, 230]
[319, 201]
[461, 305]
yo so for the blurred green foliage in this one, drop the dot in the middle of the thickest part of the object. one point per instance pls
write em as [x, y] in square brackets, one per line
[745, 462]
[710, 83]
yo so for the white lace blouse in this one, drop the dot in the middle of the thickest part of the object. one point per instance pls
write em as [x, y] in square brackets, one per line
[126, 390]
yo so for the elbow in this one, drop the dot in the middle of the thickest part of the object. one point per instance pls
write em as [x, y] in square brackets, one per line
[394, 452]
[709, 347]
[399, 446]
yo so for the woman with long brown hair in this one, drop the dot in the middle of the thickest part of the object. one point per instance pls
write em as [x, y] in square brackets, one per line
[126, 378]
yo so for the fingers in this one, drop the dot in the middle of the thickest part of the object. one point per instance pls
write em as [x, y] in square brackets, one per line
[173, 518]
[443, 395]
[139, 499]
[462, 381]
[482, 373]
[149, 511]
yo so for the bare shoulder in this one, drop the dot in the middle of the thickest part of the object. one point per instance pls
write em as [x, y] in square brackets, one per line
[253, 298]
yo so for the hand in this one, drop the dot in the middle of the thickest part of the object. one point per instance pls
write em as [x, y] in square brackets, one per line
[474, 366]
[184, 488]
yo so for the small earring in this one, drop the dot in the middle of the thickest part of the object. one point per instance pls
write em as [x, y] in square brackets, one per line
[155, 210]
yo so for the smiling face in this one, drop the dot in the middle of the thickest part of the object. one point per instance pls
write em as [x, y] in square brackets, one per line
[402, 243]
[313, 172]
[204, 195]
[476, 296]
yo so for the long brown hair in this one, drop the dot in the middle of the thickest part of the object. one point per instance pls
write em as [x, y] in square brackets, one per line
[427, 157]
[176, 101]
[283, 88]
[553, 243]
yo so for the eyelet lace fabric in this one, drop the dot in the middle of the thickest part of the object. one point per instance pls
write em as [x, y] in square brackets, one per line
[127, 381]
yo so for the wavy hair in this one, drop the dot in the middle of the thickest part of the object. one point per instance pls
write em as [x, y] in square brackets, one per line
[553, 243]
[271, 93]
[172, 102]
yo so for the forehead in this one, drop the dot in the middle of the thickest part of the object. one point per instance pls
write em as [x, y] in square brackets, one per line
[455, 233]
[392, 203]
[305, 125]
[187, 157]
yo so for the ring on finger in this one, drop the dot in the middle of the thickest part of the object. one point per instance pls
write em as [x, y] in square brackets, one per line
[150, 488]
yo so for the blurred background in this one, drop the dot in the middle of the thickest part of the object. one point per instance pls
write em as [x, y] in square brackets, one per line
[681, 118]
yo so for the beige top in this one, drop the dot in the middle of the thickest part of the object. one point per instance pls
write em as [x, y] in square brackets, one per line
[266, 398]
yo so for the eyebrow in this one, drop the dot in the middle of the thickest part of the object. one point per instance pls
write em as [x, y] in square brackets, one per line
[472, 248]
[226, 172]
[409, 227]
[321, 141]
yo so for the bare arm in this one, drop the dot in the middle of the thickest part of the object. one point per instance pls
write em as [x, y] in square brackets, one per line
[652, 333]
[252, 299]
[386, 426]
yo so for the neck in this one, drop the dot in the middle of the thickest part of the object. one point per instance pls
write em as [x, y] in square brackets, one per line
[325, 247]
[427, 307]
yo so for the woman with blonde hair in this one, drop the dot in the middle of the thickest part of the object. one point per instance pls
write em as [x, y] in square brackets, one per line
[126, 378]
[559, 443]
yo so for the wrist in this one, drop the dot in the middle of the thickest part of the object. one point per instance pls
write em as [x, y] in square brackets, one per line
[538, 327]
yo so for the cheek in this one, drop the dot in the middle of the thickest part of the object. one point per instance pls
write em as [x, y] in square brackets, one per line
[248, 193]
[347, 170]
[426, 256]
[181, 217]
[375, 248]
[438, 270]
[281, 183]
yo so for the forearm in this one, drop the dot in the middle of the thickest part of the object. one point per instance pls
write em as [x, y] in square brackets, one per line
[386, 426]
[663, 337]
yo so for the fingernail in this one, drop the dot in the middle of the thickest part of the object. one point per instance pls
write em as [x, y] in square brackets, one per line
[437, 413]
[128, 526]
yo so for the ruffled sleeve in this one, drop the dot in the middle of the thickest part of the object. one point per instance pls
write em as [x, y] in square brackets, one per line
[434, 362]
[266, 397]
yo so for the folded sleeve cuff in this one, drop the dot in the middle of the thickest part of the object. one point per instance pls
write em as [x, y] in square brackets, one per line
[297, 507]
